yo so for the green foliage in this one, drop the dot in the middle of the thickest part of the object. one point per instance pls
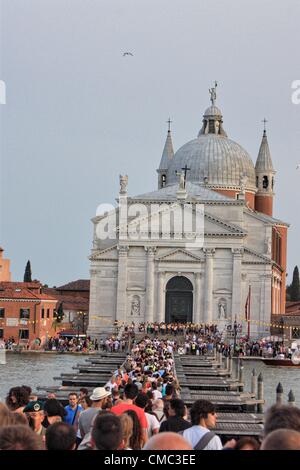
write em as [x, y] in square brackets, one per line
[27, 274]
[59, 313]
[294, 288]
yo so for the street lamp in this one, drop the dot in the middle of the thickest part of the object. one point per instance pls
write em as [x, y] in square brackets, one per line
[235, 334]
[83, 315]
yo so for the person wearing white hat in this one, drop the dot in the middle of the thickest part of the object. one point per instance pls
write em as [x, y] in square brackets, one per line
[99, 398]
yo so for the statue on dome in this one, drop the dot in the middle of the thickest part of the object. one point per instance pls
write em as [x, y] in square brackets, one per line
[213, 94]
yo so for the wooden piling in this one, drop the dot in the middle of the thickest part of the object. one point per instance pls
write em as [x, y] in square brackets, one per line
[254, 382]
[260, 393]
[279, 394]
[241, 376]
[291, 398]
[230, 366]
[237, 368]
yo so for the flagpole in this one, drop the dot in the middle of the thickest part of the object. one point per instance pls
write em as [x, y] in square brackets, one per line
[249, 310]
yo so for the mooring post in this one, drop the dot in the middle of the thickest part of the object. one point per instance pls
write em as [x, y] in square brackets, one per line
[291, 398]
[279, 394]
[227, 363]
[260, 393]
[253, 382]
[221, 359]
[237, 368]
[230, 364]
[241, 376]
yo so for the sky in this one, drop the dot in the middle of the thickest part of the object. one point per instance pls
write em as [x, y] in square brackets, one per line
[78, 113]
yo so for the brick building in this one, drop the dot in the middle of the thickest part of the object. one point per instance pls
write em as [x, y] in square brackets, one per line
[74, 298]
[5, 274]
[25, 312]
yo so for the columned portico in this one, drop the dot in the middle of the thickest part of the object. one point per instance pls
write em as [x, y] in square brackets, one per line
[149, 316]
[160, 297]
[237, 254]
[122, 283]
[209, 270]
[197, 304]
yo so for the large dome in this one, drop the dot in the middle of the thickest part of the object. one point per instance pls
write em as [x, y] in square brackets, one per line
[215, 157]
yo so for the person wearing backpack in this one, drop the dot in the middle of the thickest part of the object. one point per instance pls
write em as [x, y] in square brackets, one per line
[203, 418]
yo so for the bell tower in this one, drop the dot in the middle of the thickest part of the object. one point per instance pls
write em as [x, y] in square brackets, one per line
[167, 157]
[265, 173]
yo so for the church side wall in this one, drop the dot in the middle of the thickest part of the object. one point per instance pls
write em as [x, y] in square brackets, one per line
[103, 293]
[136, 285]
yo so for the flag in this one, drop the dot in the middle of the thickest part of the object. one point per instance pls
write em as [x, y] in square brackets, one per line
[247, 305]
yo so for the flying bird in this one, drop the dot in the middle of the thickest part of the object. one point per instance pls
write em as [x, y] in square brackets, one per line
[127, 53]
[298, 166]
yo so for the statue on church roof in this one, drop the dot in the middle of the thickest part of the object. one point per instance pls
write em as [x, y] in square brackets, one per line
[181, 179]
[123, 184]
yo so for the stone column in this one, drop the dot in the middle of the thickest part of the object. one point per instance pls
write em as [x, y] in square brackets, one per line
[160, 315]
[267, 299]
[273, 294]
[209, 272]
[122, 284]
[236, 283]
[149, 314]
[197, 302]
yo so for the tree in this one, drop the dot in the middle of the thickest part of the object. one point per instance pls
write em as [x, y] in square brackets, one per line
[58, 316]
[27, 274]
[60, 313]
[294, 288]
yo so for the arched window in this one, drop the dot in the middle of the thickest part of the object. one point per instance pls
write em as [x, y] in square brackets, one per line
[257, 181]
[163, 180]
[265, 182]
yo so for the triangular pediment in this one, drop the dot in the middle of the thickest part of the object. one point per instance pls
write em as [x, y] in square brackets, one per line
[180, 256]
[215, 226]
[110, 253]
[252, 257]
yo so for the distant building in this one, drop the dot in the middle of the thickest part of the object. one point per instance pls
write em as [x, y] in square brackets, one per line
[155, 270]
[25, 312]
[5, 275]
[74, 298]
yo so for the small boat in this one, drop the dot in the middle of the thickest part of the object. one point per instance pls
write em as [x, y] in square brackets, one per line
[275, 361]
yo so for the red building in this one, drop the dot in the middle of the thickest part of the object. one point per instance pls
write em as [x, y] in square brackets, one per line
[25, 312]
[74, 298]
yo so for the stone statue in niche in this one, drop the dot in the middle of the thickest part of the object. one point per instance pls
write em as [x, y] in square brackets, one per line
[222, 310]
[268, 245]
[135, 306]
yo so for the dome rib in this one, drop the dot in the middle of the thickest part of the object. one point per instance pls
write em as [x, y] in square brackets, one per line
[222, 160]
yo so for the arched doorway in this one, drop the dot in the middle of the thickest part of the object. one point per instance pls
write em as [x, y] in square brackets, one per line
[179, 300]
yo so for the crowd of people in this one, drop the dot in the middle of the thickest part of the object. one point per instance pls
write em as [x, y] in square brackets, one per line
[139, 408]
[189, 338]
[71, 344]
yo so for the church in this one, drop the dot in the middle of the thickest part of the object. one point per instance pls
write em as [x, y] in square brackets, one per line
[227, 263]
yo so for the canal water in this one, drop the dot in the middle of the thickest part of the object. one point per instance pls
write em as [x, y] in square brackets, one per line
[39, 369]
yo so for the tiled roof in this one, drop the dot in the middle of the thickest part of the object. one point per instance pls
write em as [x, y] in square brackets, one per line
[70, 302]
[22, 285]
[80, 284]
[16, 291]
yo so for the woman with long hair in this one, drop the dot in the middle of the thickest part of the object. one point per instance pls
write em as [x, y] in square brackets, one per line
[135, 442]
[17, 399]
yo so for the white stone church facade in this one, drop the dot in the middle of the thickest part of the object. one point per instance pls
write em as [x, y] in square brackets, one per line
[154, 272]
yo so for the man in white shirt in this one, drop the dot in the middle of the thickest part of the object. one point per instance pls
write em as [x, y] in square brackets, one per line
[203, 418]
